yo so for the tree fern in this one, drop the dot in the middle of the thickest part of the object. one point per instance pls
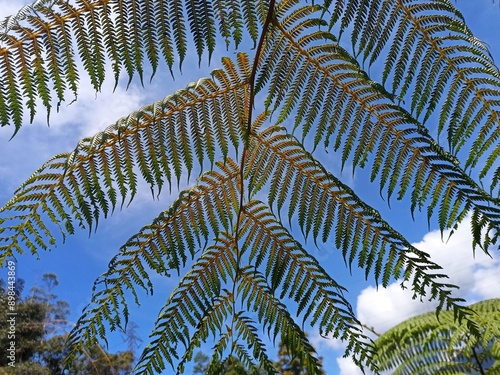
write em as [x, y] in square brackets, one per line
[252, 131]
[425, 344]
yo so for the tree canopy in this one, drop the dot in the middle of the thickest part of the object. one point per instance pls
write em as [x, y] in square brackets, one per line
[40, 336]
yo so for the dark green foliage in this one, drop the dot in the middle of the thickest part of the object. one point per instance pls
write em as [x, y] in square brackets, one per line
[28, 335]
[251, 130]
[41, 338]
[289, 364]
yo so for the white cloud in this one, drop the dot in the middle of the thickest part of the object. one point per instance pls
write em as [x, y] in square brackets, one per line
[320, 342]
[93, 112]
[487, 281]
[347, 367]
[383, 308]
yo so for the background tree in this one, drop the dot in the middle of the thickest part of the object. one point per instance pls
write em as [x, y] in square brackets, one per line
[230, 235]
[427, 345]
[41, 335]
[289, 364]
[30, 330]
[286, 364]
[201, 361]
[203, 365]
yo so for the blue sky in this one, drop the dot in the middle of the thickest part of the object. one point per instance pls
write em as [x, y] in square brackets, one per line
[81, 259]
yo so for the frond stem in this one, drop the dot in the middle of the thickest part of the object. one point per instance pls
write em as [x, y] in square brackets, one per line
[246, 141]
[478, 361]
[371, 329]
[258, 53]
[246, 136]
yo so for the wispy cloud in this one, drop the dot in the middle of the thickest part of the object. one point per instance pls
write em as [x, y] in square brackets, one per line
[93, 112]
[10, 7]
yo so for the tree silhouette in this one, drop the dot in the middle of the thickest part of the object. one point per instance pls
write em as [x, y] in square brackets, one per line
[256, 130]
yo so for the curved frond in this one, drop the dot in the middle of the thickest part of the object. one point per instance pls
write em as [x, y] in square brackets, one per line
[327, 92]
[246, 329]
[429, 50]
[160, 141]
[312, 289]
[291, 272]
[175, 236]
[53, 33]
[322, 203]
[274, 316]
[425, 344]
[250, 359]
[194, 303]
[239, 360]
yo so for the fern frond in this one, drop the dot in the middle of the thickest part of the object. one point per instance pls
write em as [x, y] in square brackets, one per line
[174, 237]
[216, 315]
[333, 96]
[320, 201]
[26, 11]
[274, 316]
[189, 306]
[293, 273]
[142, 30]
[434, 54]
[216, 366]
[246, 329]
[250, 359]
[233, 251]
[159, 140]
[425, 344]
